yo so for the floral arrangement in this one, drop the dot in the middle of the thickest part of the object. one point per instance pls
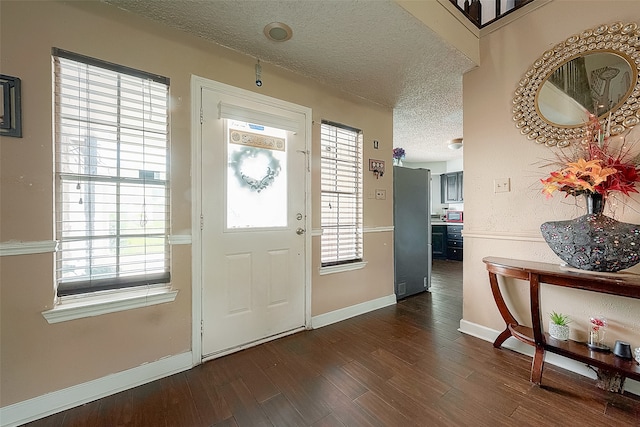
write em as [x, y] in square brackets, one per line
[597, 323]
[597, 328]
[398, 153]
[599, 163]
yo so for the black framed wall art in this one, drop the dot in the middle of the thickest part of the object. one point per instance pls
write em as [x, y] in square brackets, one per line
[10, 106]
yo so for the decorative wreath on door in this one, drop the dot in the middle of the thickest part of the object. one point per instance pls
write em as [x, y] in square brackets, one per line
[271, 167]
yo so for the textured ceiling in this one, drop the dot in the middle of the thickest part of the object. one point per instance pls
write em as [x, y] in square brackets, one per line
[370, 48]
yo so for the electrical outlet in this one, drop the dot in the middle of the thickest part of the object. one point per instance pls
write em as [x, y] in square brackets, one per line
[502, 185]
[381, 194]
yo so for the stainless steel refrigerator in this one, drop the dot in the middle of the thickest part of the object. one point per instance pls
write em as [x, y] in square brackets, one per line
[412, 230]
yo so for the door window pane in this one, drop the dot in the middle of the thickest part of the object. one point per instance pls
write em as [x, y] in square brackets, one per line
[256, 190]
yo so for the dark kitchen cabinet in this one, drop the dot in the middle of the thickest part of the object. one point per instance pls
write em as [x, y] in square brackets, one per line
[454, 242]
[439, 241]
[451, 187]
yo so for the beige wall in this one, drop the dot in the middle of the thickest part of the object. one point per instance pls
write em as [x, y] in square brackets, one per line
[507, 224]
[37, 358]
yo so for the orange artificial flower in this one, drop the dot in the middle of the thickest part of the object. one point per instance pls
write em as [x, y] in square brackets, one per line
[596, 165]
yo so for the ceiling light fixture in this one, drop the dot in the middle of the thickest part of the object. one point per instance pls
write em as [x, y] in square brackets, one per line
[455, 144]
[278, 32]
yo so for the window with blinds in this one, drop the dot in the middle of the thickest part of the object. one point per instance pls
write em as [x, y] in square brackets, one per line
[112, 183]
[341, 198]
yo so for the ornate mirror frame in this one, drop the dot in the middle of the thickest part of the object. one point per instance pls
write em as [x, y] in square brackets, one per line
[617, 38]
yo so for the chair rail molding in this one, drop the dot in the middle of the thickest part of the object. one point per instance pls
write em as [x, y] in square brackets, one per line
[523, 236]
[16, 247]
[19, 247]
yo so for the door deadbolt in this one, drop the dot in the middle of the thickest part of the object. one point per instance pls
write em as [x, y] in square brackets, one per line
[299, 217]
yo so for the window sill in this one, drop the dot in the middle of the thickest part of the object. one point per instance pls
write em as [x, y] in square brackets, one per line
[342, 268]
[111, 302]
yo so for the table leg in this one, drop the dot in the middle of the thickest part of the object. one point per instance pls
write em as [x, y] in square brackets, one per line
[538, 331]
[504, 310]
[502, 338]
[537, 365]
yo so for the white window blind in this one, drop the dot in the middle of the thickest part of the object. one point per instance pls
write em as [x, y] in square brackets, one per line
[112, 184]
[341, 199]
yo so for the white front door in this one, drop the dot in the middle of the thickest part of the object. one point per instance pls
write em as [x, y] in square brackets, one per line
[253, 232]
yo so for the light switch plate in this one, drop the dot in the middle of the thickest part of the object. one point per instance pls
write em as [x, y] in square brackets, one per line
[502, 185]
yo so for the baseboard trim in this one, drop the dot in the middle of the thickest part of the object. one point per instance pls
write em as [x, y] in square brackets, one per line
[352, 311]
[488, 334]
[57, 401]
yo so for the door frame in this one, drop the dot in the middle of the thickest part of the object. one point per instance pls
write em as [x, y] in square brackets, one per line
[197, 84]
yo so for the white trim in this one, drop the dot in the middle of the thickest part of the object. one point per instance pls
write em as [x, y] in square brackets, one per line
[352, 311]
[197, 85]
[318, 231]
[308, 210]
[378, 229]
[341, 268]
[110, 302]
[488, 334]
[180, 239]
[57, 401]
[13, 247]
[196, 209]
[503, 235]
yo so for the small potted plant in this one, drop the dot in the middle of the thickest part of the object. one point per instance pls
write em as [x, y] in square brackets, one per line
[559, 326]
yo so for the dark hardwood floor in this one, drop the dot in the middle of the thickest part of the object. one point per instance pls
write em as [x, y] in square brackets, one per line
[405, 365]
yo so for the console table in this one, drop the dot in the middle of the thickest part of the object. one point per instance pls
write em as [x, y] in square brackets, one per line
[537, 273]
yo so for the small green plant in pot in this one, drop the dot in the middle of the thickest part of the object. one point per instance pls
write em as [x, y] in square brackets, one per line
[559, 326]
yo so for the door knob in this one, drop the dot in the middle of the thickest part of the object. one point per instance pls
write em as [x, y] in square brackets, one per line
[300, 231]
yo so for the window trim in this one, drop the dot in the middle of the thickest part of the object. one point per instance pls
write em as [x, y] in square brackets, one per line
[104, 302]
[341, 268]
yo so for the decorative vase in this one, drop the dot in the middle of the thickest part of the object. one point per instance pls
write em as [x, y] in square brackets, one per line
[559, 332]
[594, 241]
[397, 162]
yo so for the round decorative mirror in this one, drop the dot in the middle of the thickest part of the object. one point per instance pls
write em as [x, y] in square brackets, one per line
[595, 72]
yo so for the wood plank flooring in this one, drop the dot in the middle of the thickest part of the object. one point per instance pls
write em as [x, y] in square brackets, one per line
[405, 365]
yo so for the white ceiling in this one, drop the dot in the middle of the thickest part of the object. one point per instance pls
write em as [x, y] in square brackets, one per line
[370, 48]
